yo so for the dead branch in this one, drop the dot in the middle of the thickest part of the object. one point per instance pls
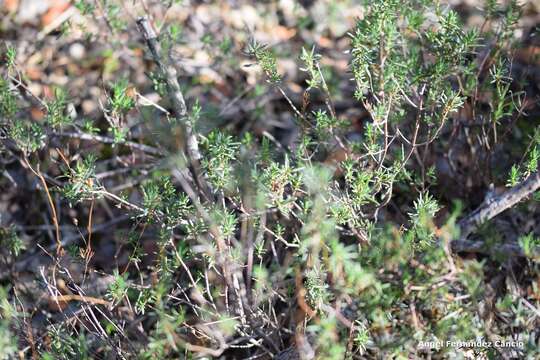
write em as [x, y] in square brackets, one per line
[178, 103]
[470, 246]
[52, 205]
[490, 209]
[107, 140]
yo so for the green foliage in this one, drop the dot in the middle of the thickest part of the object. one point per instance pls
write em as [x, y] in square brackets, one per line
[326, 337]
[82, 183]
[472, 279]
[266, 60]
[273, 181]
[118, 288]
[84, 6]
[121, 101]
[421, 232]
[11, 56]
[143, 300]
[158, 83]
[164, 335]
[10, 240]
[119, 134]
[67, 345]
[311, 66]
[324, 124]
[530, 245]
[161, 201]
[317, 288]
[532, 163]
[337, 234]
[114, 15]
[8, 340]
[88, 127]
[29, 136]
[57, 109]
[227, 222]
[8, 100]
[361, 337]
[222, 151]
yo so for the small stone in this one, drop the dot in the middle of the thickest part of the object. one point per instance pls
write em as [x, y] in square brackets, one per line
[89, 106]
[77, 51]
[31, 10]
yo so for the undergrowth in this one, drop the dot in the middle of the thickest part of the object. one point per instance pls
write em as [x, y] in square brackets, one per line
[284, 245]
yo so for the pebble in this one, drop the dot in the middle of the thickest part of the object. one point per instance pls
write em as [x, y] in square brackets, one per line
[77, 51]
[31, 10]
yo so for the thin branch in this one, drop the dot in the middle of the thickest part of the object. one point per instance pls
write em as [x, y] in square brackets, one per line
[497, 205]
[470, 246]
[490, 209]
[107, 140]
[86, 299]
[178, 103]
[51, 204]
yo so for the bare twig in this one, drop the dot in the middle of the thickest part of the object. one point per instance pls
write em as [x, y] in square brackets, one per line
[57, 22]
[51, 203]
[533, 308]
[83, 298]
[470, 246]
[178, 103]
[107, 140]
[490, 209]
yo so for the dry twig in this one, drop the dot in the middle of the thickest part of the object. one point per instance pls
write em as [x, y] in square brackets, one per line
[51, 203]
[178, 103]
[491, 208]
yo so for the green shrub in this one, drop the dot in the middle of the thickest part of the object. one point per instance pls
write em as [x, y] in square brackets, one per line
[258, 242]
